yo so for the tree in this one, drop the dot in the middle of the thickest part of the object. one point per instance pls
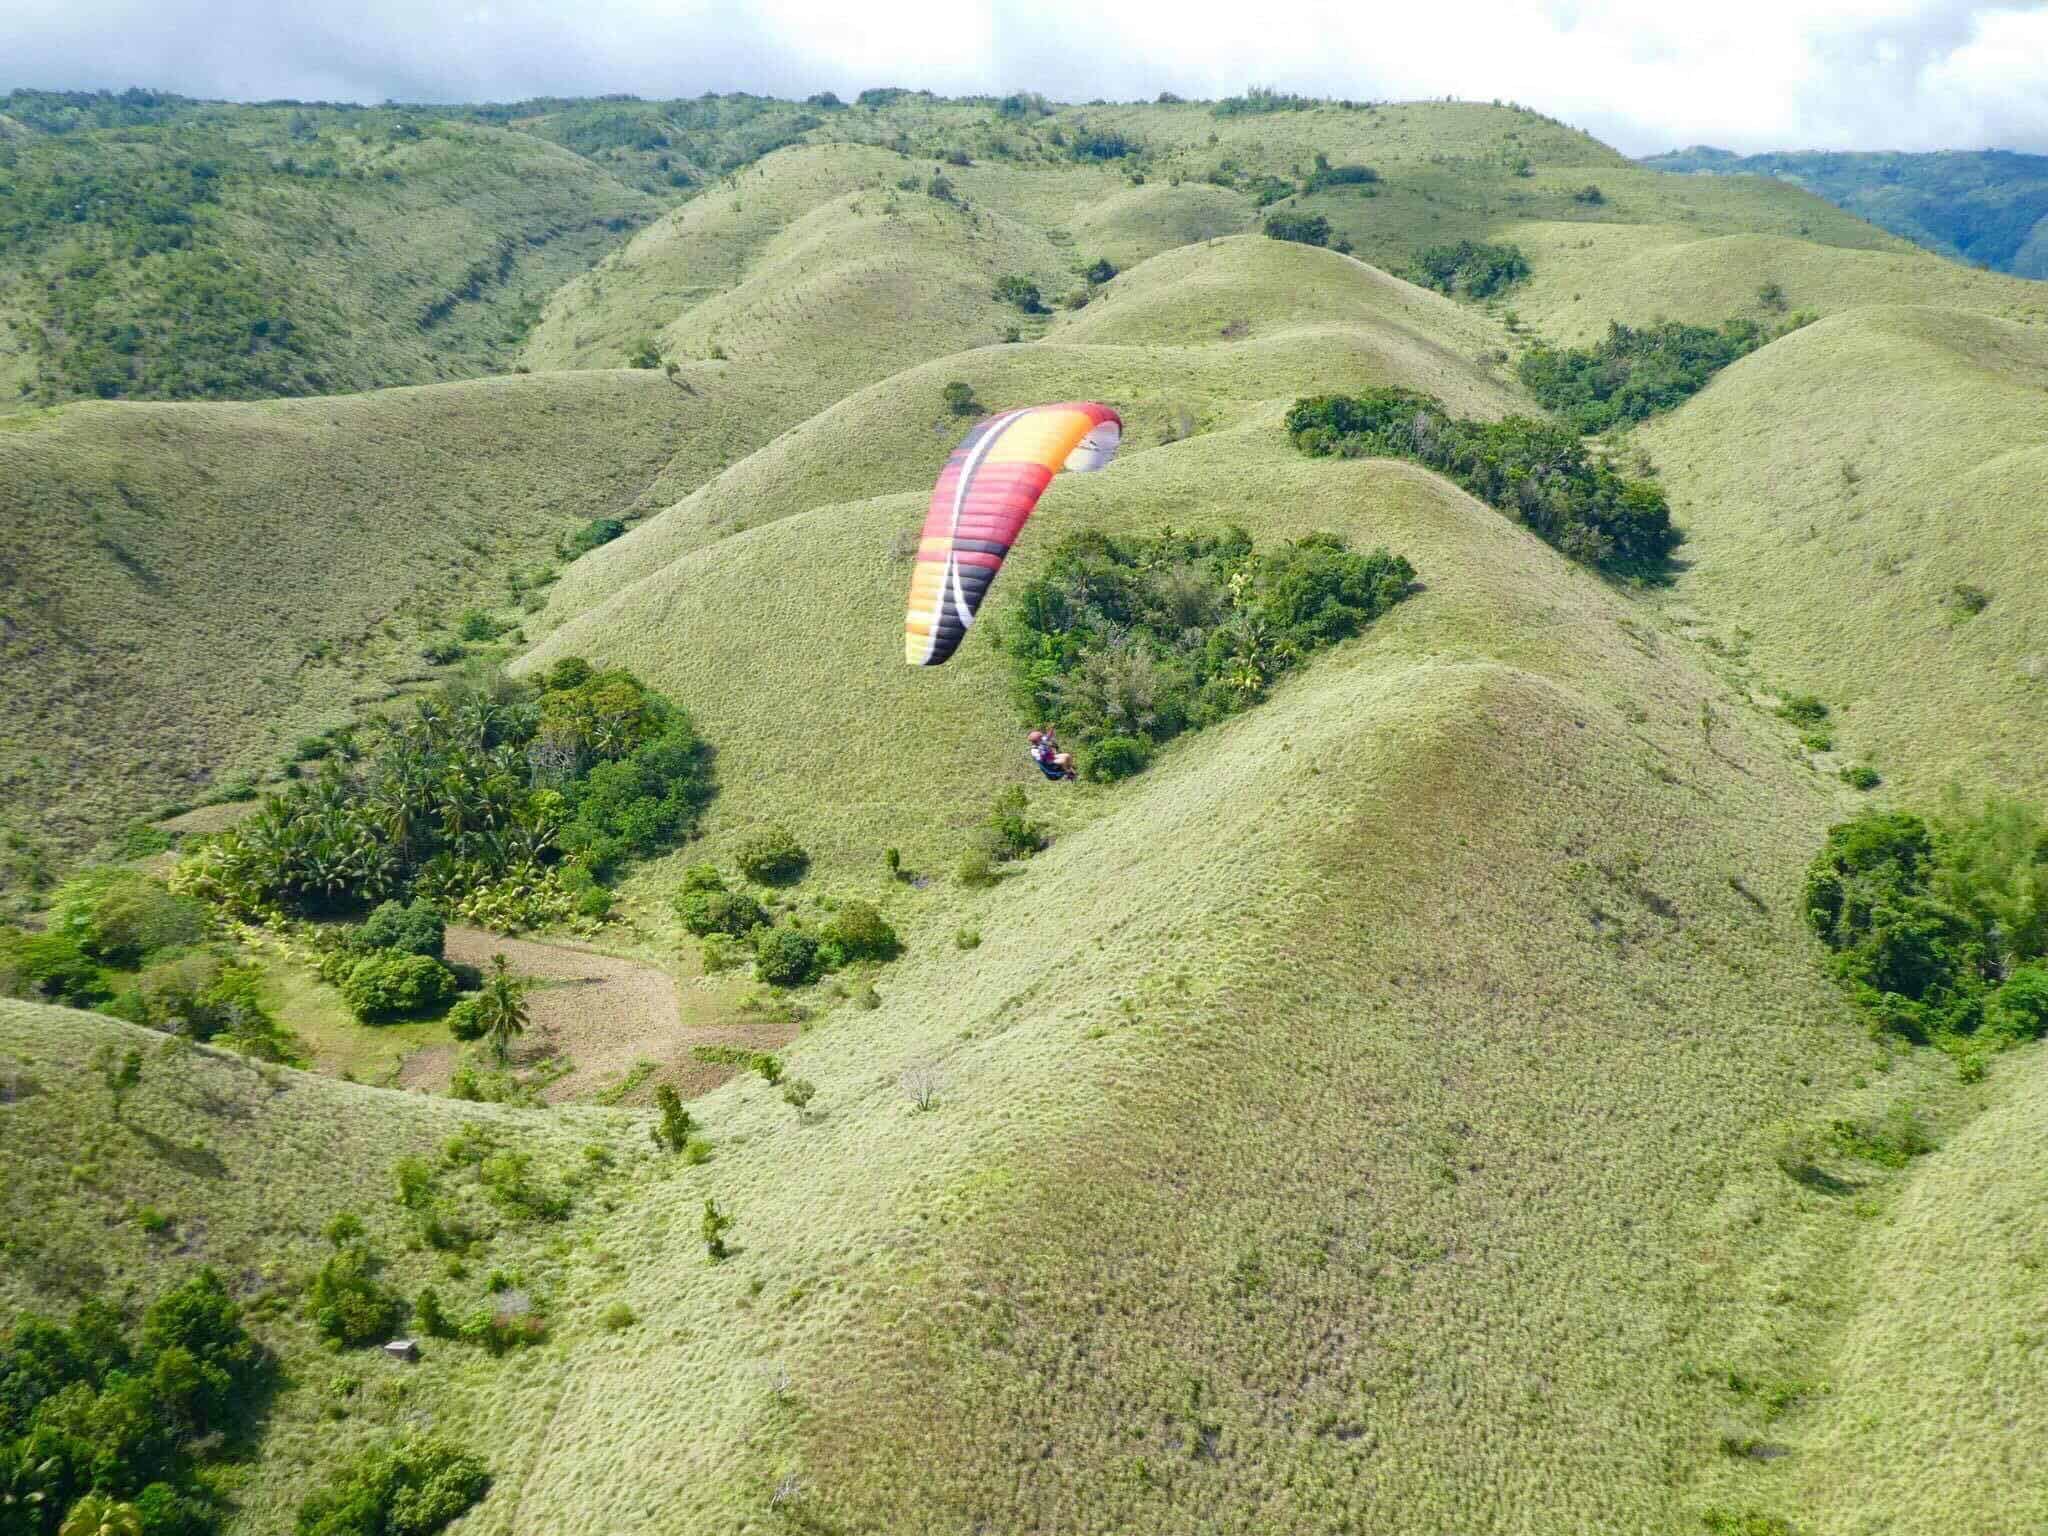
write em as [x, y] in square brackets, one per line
[716, 1224]
[1301, 228]
[121, 1071]
[797, 1093]
[675, 1127]
[1014, 288]
[501, 1014]
[97, 1515]
[959, 398]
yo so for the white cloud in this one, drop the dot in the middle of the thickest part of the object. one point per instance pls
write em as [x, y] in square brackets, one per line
[1747, 74]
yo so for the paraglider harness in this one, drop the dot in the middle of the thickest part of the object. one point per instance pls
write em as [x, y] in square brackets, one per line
[1043, 751]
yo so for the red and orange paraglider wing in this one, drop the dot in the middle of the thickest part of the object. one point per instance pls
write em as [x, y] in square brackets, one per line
[984, 495]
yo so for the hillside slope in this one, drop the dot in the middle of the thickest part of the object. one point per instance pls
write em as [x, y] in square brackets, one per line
[184, 589]
[1985, 207]
[1269, 1184]
[1853, 494]
[1194, 340]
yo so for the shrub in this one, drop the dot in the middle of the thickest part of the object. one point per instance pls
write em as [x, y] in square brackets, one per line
[785, 957]
[859, 932]
[715, 1225]
[975, 871]
[702, 877]
[416, 928]
[1013, 288]
[967, 938]
[1635, 372]
[1861, 776]
[465, 1020]
[1590, 195]
[644, 353]
[1012, 834]
[772, 856]
[2019, 1008]
[617, 1317]
[1475, 270]
[1890, 1140]
[1117, 757]
[412, 1488]
[1802, 709]
[51, 967]
[959, 398]
[121, 917]
[437, 652]
[1537, 471]
[348, 1305]
[476, 624]
[387, 985]
[1301, 228]
[708, 912]
[721, 952]
[592, 535]
[433, 1319]
[675, 1127]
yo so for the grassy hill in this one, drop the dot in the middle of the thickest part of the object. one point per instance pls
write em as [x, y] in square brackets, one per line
[1214, 998]
[185, 590]
[1374, 1116]
[1851, 493]
[1985, 207]
[188, 250]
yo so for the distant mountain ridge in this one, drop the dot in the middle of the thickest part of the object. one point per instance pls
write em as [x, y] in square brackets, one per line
[1988, 207]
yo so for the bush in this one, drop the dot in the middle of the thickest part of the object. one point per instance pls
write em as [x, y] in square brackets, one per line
[412, 1488]
[975, 871]
[617, 1317]
[1477, 271]
[859, 932]
[414, 928]
[50, 967]
[476, 624]
[433, 1319]
[1802, 709]
[2018, 1010]
[967, 938]
[1301, 228]
[644, 353]
[438, 652]
[675, 1128]
[772, 856]
[1537, 471]
[121, 917]
[959, 398]
[1012, 833]
[465, 1020]
[592, 535]
[1013, 288]
[387, 985]
[1117, 757]
[707, 912]
[785, 957]
[1634, 373]
[1861, 776]
[348, 1305]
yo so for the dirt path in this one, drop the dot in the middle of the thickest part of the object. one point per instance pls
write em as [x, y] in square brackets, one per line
[606, 1014]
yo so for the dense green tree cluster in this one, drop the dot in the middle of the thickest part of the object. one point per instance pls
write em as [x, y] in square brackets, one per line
[1301, 228]
[788, 953]
[1634, 372]
[1537, 471]
[493, 787]
[411, 1488]
[99, 1408]
[1125, 642]
[1470, 269]
[1259, 100]
[1940, 931]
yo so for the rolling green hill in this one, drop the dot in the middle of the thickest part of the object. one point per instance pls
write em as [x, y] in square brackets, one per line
[299, 551]
[1985, 207]
[1864, 518]
[188, 250]
[1373, 1117]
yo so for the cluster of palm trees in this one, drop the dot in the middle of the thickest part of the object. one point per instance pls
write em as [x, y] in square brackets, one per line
[483, 783]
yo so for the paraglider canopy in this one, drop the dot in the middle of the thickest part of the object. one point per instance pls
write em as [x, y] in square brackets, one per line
[984, 496]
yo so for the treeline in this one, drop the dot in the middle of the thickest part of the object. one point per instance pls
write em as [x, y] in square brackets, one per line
[107, 1427]
[504, 803]
[1939, 929]
[1123, 643]
[1634, 372]
[1536, 471]
[1469, 269]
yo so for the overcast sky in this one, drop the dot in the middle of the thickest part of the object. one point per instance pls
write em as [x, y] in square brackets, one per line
[1644, 75]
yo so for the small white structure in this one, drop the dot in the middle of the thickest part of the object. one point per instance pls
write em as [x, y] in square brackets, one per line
[402, 1349]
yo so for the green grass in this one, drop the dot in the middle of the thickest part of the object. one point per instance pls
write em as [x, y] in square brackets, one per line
[1836, 488]
[186, 590]
[1366, 1119]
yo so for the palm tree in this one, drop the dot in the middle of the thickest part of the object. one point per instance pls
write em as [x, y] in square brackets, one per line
[501, 1008]
[97, 1515]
